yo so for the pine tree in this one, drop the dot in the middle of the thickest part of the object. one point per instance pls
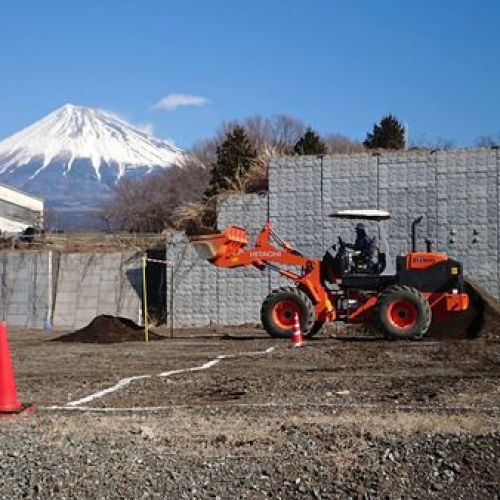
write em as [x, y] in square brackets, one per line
[389, 134]
[310, 143]
[235, 156]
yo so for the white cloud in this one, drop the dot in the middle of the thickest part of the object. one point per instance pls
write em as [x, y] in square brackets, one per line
[173, 101]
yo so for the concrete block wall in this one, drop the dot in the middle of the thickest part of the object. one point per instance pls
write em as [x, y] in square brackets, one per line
[457, 192]
[25, 290]
[295, 200]
[68, 289]
[193, 298]
[90, 284]
[468, 205]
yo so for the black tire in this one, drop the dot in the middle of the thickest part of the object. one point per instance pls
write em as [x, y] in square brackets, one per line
[316, 328]
[288, 298]
[403, 313]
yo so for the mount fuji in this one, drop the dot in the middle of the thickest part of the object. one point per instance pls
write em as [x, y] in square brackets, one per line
[75, 155]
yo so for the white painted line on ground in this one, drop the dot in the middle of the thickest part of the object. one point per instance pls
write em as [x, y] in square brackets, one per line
[126, 381]
[206, 366]
[119, 385]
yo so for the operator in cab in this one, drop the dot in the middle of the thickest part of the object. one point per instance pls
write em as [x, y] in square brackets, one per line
[363, 242]
[336, 263]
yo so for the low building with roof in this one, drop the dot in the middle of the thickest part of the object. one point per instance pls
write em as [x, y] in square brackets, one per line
[19, 210]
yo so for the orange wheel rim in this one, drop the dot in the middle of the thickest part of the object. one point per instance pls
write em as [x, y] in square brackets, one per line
[402, 314]
[284, 312]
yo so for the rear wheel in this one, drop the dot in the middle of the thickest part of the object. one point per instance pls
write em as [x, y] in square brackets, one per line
[403, 313]
[279, 308]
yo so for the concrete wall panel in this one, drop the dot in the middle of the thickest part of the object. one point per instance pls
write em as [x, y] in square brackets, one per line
[91, 284]
[24, 294]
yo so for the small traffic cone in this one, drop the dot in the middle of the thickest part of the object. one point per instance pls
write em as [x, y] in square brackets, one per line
[9, 402]
[297, 339]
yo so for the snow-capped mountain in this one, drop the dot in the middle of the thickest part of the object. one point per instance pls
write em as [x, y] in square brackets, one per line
[73, 156]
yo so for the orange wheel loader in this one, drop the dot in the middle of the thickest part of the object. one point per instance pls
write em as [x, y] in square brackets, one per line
[425, 288]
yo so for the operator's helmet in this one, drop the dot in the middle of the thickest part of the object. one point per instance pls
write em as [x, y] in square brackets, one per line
[360, 227]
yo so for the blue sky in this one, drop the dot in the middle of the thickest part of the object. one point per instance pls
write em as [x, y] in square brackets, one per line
[337, 65]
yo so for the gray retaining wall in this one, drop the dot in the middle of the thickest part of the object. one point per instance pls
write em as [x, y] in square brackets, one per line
[458, 192]
[90, 284]
[68, 290]
[25, 290]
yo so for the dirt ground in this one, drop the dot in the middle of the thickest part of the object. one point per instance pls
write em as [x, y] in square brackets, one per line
[337, 418]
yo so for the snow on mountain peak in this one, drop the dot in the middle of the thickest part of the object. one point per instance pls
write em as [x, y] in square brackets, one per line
[78, 132]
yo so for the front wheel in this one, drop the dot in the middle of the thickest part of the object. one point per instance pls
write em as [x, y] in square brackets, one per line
[278, 311]
[403, 313]
[316, 328]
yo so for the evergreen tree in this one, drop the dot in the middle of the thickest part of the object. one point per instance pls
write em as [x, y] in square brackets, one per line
[235, 156]
[388, 134]
[310, 143]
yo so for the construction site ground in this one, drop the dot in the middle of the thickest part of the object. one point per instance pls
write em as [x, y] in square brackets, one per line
[236, 414]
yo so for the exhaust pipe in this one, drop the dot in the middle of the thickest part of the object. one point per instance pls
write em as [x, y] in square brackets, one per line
[416, 221]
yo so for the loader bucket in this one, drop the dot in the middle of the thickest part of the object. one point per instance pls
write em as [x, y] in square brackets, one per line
[212, 246]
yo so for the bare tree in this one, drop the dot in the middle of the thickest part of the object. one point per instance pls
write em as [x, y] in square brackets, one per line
[146, 204]
[443, 143]
[285, 131]
[278, 133]
[338, 143]
[436, 143]
[257, 129]
[53, 220]
[178, 196]
[204, 152]
[487, 141]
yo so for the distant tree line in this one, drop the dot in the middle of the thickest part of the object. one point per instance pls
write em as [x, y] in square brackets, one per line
[234, 160]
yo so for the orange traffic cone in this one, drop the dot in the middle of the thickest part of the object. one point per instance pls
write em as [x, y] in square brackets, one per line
[297, 339]
[9, 402]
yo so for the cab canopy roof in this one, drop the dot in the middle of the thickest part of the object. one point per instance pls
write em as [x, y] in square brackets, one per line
[361, 214]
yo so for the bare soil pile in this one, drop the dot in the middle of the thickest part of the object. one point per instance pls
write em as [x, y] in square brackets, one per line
[106, 329]
[482, 319]
[488, 308]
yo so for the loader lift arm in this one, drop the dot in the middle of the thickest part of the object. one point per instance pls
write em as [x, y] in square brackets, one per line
[227, 249]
